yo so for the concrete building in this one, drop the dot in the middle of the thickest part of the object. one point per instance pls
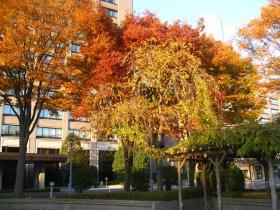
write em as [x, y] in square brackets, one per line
[117, 9]
[43, 149]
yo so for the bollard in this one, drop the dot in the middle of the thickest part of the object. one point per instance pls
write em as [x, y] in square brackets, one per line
[51, 190]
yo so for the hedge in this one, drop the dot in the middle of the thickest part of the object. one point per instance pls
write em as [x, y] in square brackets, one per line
[143, 196]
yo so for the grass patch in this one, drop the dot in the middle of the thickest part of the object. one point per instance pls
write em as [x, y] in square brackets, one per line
[142, 196]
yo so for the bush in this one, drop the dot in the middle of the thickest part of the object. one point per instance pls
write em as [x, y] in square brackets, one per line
[169, 176]
[140, 180]
[84, 177]
[235, 178]
[143, 196]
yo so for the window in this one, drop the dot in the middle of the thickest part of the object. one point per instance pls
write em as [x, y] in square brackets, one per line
[55, 114]
[47, 59]
[259, 174]
[75, 48]
[50, 93]
[80, 119]
[83, 134]
[246, 174]
[273, 101]
[7, 110]
[274, 111]
[10, 130]
[48, 132]
[47, 151]
[10, 149]
[11, 92]
[112, 13]
[266, 111]
[111, 1]
[264, 120]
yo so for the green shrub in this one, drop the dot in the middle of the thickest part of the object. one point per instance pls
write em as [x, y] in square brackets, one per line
[31, 190]
[144, 196]
[84, 177]
[235, 178]
[232, 194]
[140, 180]
[169, 176]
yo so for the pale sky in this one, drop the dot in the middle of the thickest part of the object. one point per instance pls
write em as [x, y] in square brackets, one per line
[232, 13]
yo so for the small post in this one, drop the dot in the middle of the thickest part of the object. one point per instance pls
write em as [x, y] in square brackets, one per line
[106, 181]
[71, 142]
[51, 190]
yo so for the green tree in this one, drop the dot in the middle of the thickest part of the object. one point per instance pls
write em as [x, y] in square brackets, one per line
[211, 145]
[140, 161]
[123, 119]
[80, 156]
[262, 140]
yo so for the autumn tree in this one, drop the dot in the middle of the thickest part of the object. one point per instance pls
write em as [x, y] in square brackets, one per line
[36, 37]
[169, 77]
[260, 39]
[236, 77]
[140, 37]
[79, 155]
[238, 81]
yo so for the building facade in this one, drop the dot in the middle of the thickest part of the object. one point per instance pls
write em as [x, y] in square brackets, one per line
[43, 149]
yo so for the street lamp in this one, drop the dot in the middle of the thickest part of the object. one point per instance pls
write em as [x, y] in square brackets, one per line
[71, 143]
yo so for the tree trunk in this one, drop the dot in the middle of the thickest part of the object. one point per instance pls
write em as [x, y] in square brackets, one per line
[266, 178]
[204, 184]
[180, 200]
[159, 175]
[272, 184]
[218, 179]
[18, 189]
[128, 158]
[265, 166]
[225, 177]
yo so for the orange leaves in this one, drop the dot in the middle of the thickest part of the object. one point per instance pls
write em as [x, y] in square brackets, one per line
[138, 29]
[108, 69]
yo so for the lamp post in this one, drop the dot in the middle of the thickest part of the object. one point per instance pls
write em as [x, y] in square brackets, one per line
[71, 142]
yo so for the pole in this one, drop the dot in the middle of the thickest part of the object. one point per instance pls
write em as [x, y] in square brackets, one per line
[179, 173]
[272, 184]
[70, 166]
[151, 175]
